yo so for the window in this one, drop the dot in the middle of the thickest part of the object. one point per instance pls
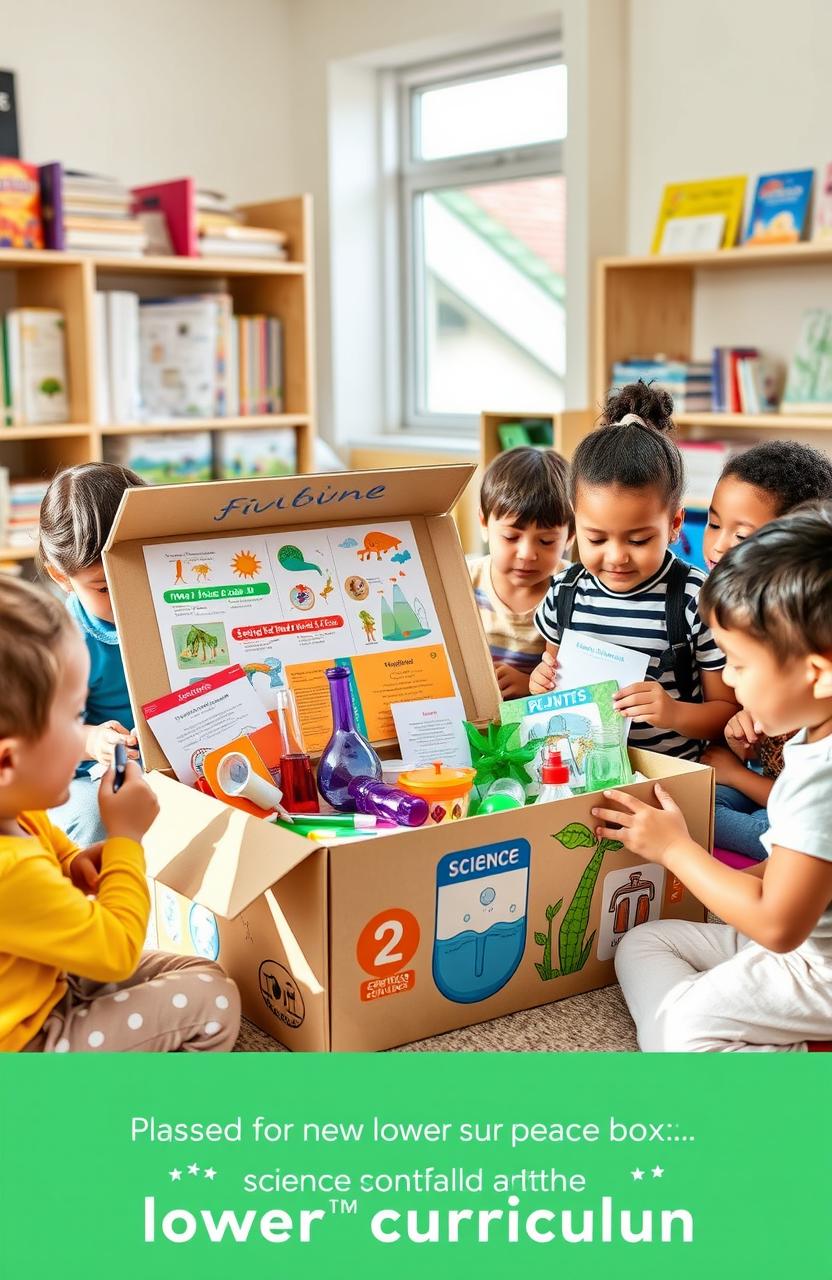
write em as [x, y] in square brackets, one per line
[482, 204]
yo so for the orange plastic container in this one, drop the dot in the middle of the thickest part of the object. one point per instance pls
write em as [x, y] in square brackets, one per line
[447, 789]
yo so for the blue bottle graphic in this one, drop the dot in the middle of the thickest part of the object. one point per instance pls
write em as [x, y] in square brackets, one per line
[481, 905]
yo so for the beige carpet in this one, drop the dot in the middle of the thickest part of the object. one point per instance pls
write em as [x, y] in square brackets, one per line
[597, 1022]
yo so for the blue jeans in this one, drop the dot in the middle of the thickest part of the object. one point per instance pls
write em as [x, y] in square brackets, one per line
[739, 822]
[79, 817]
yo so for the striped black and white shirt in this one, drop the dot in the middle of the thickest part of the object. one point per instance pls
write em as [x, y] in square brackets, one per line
[637, 619]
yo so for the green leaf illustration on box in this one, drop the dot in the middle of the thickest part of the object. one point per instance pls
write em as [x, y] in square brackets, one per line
[573, 945]
[566, 720]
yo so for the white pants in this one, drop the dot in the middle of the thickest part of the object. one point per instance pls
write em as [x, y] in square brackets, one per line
[704, 988]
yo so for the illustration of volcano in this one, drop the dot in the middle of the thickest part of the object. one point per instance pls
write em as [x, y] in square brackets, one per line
[401, 622]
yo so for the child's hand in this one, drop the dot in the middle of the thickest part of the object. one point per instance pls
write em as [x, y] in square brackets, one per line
[513, 683]
[544, 677]
[646, 831]
[728, 769]
[129, 811]
[102, 740]
[742, 735]
[84, 869]
[647, 700]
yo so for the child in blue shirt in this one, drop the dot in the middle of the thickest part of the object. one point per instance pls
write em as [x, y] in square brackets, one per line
[76, 516]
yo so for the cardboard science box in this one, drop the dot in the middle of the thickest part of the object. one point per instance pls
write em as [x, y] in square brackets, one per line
[373, 942]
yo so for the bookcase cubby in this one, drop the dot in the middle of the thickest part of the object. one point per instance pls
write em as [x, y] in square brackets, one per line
[67, 281]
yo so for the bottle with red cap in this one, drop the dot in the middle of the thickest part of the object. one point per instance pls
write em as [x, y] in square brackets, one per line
[554, 779]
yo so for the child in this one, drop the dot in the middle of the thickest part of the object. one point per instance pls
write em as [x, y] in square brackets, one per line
[527, 521]
[76, 516]
[72, 977]
[761, 982]
[755, 487]
[629, 588]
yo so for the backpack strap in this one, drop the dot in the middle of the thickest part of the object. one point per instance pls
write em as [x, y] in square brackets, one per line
[678, 657]
[565, 603]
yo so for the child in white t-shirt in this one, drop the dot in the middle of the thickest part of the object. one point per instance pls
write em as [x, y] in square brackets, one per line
[761, 982]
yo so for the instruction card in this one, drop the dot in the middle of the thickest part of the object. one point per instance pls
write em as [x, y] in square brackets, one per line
[287, 606]
[585, 659]
[431, 730]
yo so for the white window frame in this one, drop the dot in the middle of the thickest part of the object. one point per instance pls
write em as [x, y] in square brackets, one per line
[404, 300]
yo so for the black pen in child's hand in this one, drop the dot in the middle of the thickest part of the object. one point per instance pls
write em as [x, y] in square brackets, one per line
[119, 765]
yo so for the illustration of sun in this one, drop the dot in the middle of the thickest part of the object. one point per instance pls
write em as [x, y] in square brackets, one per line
[245, 564]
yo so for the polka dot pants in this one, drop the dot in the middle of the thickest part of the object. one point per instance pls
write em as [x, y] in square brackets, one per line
[171, 1004]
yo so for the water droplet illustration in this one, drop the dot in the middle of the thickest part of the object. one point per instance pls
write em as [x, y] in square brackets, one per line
[487, 896]
[513, 908]
[465, 919]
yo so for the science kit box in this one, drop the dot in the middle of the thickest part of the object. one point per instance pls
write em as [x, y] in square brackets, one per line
[376, 941]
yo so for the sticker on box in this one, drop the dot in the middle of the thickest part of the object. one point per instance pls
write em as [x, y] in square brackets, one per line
[280, 994]
[385, 946]
[481, 904]
[573, 947]
[629, 897]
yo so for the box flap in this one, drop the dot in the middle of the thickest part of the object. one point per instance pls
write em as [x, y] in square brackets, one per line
[193, 510]
[225, 858]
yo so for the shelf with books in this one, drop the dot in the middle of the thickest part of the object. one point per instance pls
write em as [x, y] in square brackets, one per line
[257, 288]
[806, 251]
[564, 429]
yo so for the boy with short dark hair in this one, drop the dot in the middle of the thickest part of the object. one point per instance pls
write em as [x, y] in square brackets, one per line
[526, 518]
[762, 982]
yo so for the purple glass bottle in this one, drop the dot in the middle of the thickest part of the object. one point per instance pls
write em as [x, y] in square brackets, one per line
[375, 797]
[347, 755]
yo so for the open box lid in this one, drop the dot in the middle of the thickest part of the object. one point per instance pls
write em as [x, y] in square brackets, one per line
[424, 495]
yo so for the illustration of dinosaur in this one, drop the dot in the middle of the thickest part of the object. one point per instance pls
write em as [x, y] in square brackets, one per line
[197, 639]
[327, 588]
[375, 543]
[202, 571]
[368, 622]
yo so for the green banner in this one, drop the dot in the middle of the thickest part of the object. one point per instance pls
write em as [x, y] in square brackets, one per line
[235, 591]
[415, 1165]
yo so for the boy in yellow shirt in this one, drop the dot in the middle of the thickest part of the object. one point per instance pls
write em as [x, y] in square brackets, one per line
[72, 976]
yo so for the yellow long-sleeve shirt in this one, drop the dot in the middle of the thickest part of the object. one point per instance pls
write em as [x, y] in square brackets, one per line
[48, 928]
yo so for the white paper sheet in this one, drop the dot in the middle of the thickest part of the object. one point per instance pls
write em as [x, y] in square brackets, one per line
[432, 729]
[584, 659]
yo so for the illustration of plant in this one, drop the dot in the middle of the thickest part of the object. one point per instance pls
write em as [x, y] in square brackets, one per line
[51, 387]
[493, 758]
[197, 638]
[573, 951]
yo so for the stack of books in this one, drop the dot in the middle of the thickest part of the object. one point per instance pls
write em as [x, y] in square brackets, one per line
[24, 499]
[33, 381]
[222, 233]
[745, 381]
[688, 381]
[184, 357]
[88, 213]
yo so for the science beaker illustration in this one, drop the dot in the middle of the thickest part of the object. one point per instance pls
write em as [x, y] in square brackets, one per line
[481, 905]
[621, 903]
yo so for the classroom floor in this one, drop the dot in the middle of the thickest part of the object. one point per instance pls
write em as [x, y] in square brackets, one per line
[595, 1022]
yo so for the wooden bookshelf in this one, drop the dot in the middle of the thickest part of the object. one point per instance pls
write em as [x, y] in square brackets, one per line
[646, 305]
[568, 429]
[69, 282]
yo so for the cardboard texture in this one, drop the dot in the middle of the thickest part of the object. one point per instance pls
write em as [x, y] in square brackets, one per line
[372, 943]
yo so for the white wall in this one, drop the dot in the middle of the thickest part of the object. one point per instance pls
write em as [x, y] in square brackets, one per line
[722, 87]
[336, 48]
[153, 89]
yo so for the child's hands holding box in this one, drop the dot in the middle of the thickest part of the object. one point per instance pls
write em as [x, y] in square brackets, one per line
[646, 831]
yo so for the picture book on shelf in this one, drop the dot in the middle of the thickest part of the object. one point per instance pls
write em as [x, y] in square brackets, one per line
[713, 196]
[566, 720]
[823, 206]
[780, 208]
[809, 380]
[20, 221]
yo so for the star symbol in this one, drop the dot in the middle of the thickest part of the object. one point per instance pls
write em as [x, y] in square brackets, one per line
[175, 1175]
[657, 1172]
[193, 1169]
[210, 1173]
[638, 1174]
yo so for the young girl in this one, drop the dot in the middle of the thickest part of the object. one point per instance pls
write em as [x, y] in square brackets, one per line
[72, 973]
[755, 487]
[76, 515]
[626, 480]
[761, 982]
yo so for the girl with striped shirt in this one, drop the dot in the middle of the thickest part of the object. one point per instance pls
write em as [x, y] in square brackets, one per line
[630, 589]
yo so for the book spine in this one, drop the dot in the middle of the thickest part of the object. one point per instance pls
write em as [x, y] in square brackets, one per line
[245, 402]
[14, 369]
[263, 365]
[102, 361]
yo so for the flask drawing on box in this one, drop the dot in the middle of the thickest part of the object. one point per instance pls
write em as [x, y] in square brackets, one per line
[480, 933]
[629, 897]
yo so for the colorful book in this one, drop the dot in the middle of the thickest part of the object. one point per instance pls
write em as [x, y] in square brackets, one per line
[52, 204]
[823, 206]
[699, 199]
[565, 721]
[780, 208]
[809, 380]
[240, 453]
[177, 201]
[21, 226]
[179, 344]
[177, 458]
